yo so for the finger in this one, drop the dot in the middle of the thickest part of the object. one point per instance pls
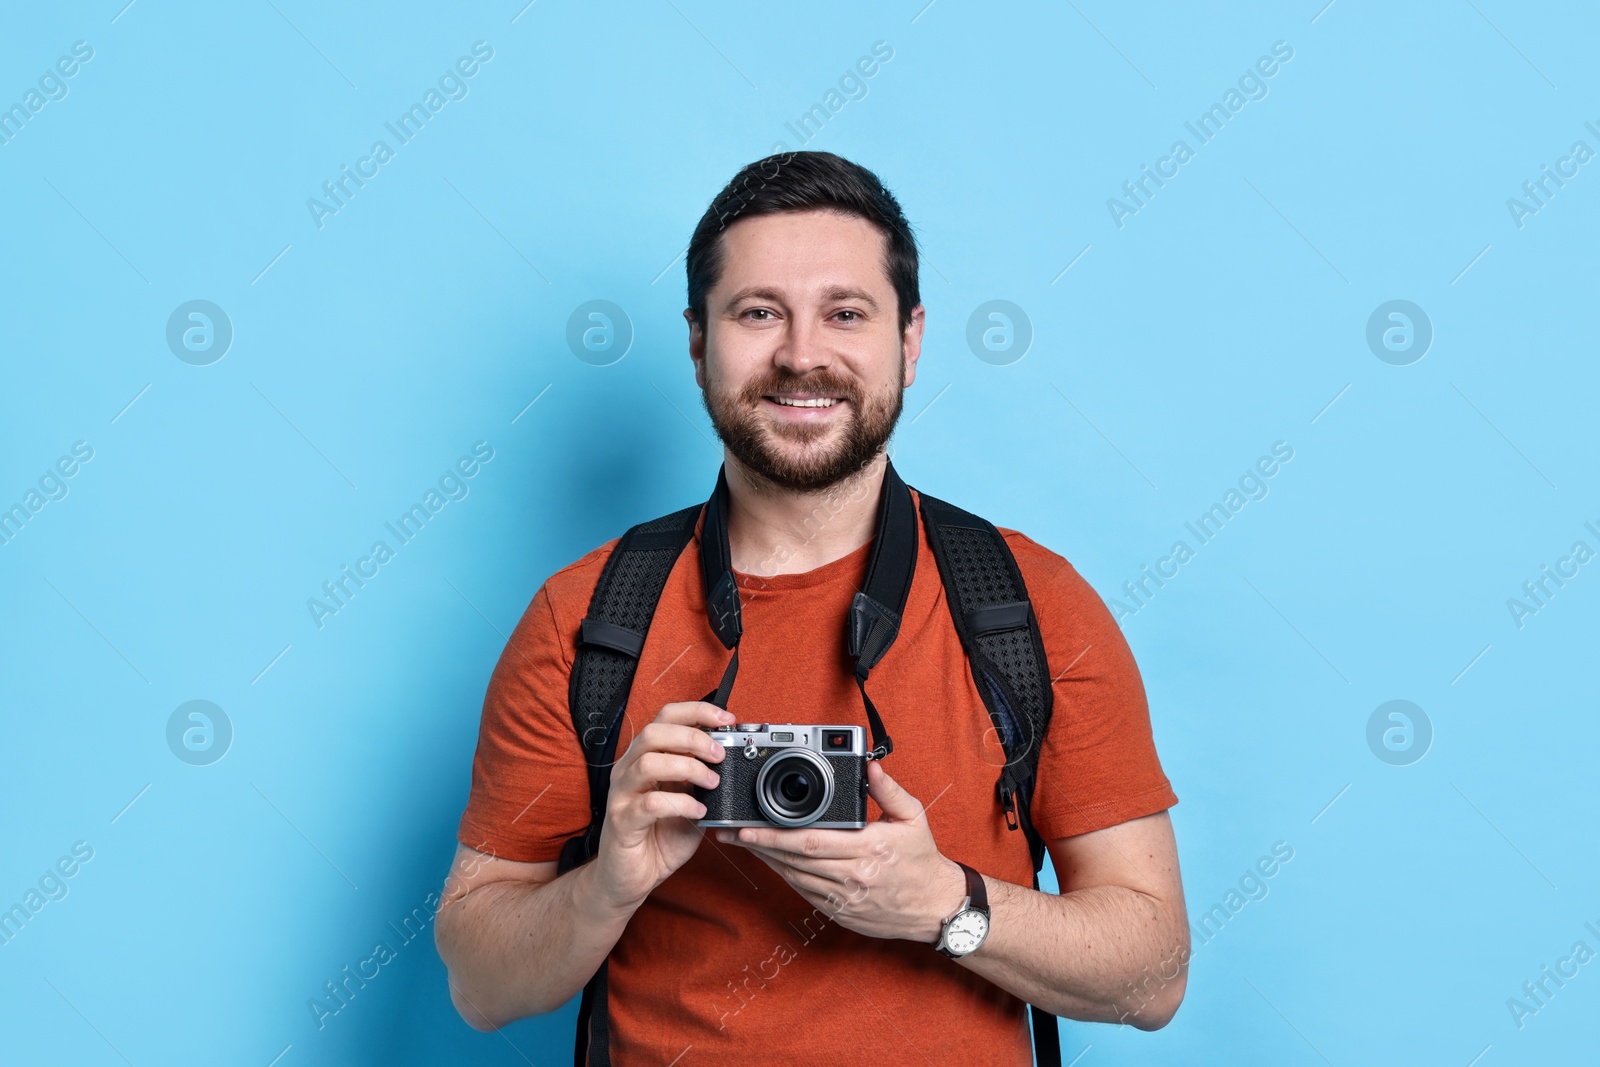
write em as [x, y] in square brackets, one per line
[897, 803]
[694, 713]
[659, 805]
[670, 737]
[826, 893]
[836, 871]
[679, 727]
[814, 844]
[657, 768]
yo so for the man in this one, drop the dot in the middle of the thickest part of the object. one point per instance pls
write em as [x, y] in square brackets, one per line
[803, 945]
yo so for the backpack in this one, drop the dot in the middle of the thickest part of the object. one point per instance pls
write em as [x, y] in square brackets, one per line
[988, 604]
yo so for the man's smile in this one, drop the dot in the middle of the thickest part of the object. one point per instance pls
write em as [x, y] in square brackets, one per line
[803, 407]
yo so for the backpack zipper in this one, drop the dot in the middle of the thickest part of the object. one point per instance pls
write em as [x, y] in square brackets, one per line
[1008, 804]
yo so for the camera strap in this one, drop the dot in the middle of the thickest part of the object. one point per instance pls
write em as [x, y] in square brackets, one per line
[875, 611]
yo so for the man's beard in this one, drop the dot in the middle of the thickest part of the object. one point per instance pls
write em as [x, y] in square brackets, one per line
[867, 427]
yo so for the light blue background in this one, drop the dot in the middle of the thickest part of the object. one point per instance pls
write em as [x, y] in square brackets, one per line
[426, 315]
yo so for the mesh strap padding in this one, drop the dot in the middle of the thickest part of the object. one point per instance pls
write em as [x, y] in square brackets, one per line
[1008, 666]
[984, 578]
[625, 596]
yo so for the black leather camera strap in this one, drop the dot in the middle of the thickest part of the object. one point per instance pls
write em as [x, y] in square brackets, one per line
[875, 611]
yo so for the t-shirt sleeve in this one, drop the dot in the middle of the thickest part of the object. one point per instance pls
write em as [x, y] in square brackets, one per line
[530, 791]
[1099, 765]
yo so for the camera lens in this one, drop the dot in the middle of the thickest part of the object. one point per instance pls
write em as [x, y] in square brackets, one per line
[795, 788]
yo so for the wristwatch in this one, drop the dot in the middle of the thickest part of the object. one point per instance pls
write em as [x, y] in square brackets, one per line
[962, 933]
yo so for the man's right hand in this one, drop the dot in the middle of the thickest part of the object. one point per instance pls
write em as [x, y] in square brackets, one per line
[649, 829]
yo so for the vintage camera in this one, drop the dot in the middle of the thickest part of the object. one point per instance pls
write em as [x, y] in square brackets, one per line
[789, 774]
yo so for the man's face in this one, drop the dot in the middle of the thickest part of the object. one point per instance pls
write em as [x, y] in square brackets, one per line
[802, 363]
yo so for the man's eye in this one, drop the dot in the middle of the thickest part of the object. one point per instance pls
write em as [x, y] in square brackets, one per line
[850, 316]
[762, 312]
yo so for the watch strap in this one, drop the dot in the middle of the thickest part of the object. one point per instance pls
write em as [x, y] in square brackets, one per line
[977, 900]
[978, 895]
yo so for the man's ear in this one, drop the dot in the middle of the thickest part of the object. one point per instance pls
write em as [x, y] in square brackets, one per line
[911, 342]
[697, 347]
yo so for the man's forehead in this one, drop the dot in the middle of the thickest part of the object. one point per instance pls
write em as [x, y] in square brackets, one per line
[818, 250]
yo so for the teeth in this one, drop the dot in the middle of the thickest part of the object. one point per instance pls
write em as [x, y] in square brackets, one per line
[820, 402]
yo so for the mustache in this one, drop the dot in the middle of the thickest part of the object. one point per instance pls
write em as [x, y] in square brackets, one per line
[820, 381]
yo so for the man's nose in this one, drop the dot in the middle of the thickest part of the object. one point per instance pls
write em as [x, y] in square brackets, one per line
[803, 347]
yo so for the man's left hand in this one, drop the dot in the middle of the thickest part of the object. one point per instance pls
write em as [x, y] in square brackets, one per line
[887, 880]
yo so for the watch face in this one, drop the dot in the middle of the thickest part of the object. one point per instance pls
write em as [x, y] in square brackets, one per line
[966, 932]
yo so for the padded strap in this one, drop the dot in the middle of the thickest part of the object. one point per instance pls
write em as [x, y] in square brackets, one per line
[992, 614]
[716, 568]
[1046, 1038]
[593, 1046]
[1046, 1034]
[612, 634]
[610, 640]
[994, 618]
[875, 611]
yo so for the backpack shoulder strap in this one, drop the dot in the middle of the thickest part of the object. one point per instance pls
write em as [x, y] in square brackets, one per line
[992, 614]
[610, 639]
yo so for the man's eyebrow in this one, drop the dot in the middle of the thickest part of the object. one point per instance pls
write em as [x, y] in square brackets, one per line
[752, 292]
[842, 292]
[837, 293]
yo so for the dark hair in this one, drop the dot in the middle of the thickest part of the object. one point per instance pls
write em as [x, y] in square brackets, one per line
[803, 181]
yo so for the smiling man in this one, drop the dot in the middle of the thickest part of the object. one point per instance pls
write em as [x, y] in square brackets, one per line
[919, 938]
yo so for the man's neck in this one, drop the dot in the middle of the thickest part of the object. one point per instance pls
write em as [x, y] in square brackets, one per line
[779, 531]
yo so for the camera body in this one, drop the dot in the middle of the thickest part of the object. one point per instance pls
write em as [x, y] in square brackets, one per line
[788, 775]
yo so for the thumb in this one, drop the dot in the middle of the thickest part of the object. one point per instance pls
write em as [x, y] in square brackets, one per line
[898, 805]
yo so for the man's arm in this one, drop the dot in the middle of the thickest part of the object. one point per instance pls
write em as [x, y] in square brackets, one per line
[519, 941]
[1113, 946]
[516, 939]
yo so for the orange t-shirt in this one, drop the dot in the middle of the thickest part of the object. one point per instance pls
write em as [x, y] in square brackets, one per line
[723, 962]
